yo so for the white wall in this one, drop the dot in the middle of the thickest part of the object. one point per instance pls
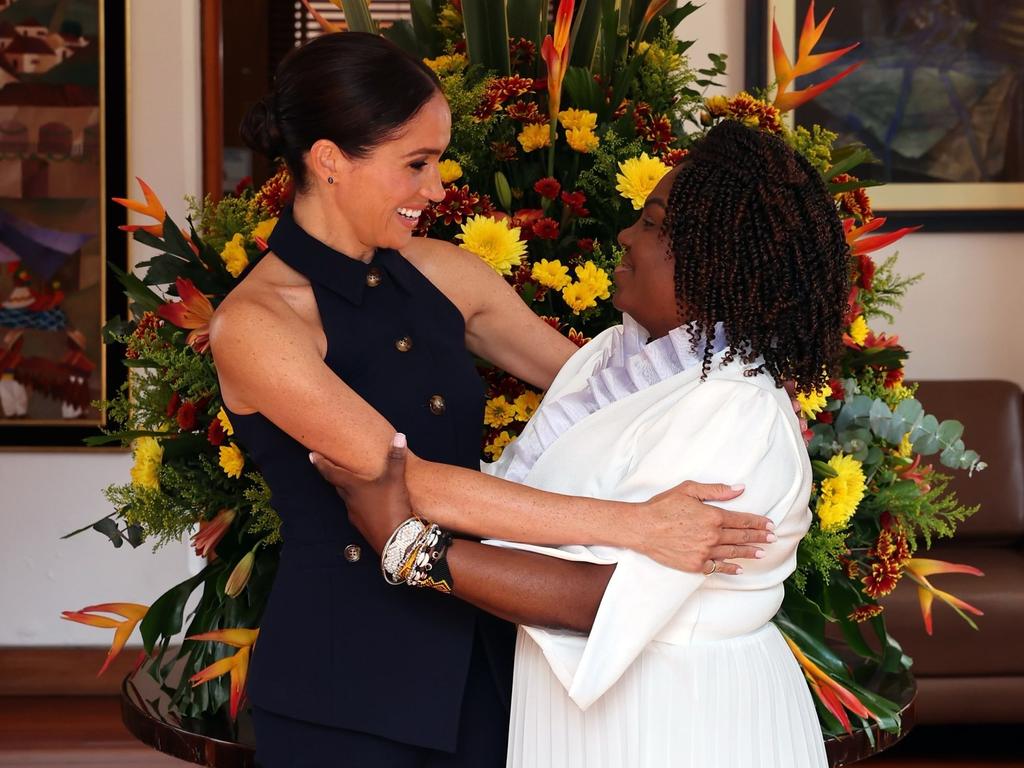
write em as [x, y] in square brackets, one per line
[44, 495]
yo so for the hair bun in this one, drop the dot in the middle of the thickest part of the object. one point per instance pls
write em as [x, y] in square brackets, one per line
[260, 130]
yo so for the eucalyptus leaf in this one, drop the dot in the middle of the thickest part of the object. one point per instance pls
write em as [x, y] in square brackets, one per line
[109, 528]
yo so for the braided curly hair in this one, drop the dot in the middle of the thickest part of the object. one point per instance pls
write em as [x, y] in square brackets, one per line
[759, 247]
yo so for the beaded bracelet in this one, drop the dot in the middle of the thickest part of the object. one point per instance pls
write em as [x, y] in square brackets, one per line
[430, 568]
[394, 555]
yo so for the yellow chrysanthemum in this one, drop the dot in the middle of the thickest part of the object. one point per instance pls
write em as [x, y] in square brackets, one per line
[638, 177]
[534, 137]
[447, 64]
[859, 330]
[717, 105]
[450, 171]
[840, 495]
[577, 119]
[263, 229]
[812, 403]
[231, 460]
[582, 140]
[597, 279]
[526, 405]
[149, 455]
[234, 255]
[906, 450]
[579, 296]
[499, 412]
[225, 423]
[551, 274]
[496, 448]
[494, 241]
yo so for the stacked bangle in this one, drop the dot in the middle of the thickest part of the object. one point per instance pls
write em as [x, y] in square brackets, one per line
[416, 554]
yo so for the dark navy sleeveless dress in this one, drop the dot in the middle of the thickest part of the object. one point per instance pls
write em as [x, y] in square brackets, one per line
[344, 660]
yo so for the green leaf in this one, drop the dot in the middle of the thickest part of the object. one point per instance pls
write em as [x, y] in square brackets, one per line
[91, 526]
[850, 161]
[950, 431]
[137, 290]
[822, 470]
[584, 35]
[164, 617]
[109, 528]
[424, 28]
[402, 34]
[583, 92]
[357, 16]
[849, 186]
[135, 535]
[486, 25]
[503, 190]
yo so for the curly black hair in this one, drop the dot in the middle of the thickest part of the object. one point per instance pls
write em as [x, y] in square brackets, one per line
[759, 247]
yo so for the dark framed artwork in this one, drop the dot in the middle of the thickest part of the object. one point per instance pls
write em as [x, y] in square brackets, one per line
[63, 153]
[939, 100]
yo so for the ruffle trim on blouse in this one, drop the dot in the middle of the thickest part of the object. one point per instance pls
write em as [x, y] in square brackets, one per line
[630, 365]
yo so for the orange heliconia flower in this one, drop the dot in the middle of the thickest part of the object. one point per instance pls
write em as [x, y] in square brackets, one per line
[860, 245]
[836, 698]
[131, 614]
[327, 26]
[152, 207]
[237, 666]
[555, 51]
[919, 569]
[193, 313]
[806, 62]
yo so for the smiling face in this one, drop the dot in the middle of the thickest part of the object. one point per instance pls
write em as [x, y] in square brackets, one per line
[645, 278]
[382, 195]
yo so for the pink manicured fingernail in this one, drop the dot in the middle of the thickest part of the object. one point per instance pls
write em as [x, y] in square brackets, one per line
[738, 487]
[772, 537]
[739, 571]
[399, 440]
[759, 554]
[771, 526]
[312, 458]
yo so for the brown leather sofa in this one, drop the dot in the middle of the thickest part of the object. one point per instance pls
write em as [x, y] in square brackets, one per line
[966, 676]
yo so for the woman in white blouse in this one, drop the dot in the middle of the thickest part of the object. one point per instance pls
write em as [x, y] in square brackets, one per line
[733, 280]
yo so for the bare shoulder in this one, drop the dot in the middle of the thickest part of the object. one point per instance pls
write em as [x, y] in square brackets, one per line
[463, 277]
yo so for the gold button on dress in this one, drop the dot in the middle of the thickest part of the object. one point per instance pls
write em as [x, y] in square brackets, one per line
[437, 405]
[373, 277]
[353, 552]
[404, 344]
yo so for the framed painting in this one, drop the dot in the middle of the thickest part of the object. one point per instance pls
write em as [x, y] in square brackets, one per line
[63, 142]
[938, 99]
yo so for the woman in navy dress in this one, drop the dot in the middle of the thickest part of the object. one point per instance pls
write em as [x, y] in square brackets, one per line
[348, 330]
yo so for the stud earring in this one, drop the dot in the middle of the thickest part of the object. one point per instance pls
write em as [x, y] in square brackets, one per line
[330, 179]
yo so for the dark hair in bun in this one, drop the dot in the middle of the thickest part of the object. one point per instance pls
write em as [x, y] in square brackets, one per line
[352, 88]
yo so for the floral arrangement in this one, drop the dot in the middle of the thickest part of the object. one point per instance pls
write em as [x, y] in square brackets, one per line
[557, 139]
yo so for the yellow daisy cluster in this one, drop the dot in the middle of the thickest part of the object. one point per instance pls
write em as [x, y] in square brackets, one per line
[495, 448]
[905, 450]
[526, 405]
[637, 178]
[499, 412]
[149, 455]
[234, 255]
[841, 494]
[447, 64]
[264, 228]
[592, 283]
[812, 403]
[450, 171]
[579, 125]
[494, 241]
[232, 460]
[551, 274]
[859, 330]
[225, 423]
[536, 136]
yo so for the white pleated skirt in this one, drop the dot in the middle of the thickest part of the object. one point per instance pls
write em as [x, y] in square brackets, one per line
[737, 703]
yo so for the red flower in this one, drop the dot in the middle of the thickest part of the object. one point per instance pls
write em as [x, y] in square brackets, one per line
[546, 228]
[525, 112]
[172, 405]
[504, 151]
[215, 432]
[243, 185]
[576, 201]
[577, 338]
[193, 313]
[504, 88]
[894, 378]
[882, 580]
[521, 52]
[458, 205]
[524, 218]
[547, 187]
[865, 612]
[838, 393]
[585, 244]
[554, 322]
[674, 157]
[825, 417]
[275, 193]
[187, 416]
[866, 271]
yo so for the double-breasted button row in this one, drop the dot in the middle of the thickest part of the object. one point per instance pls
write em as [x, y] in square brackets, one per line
[437, 405]
[373, 277]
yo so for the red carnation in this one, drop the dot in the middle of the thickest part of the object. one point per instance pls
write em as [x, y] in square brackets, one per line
[546, 228]
[215, 432]
[866, 267]
[187, 416]
[547, 187]
[576, 202]
[172, 405]
[585, 244]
